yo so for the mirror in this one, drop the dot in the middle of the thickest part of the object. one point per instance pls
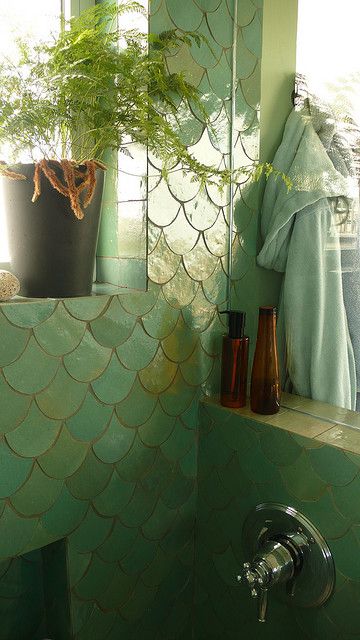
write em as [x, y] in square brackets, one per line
[329, 87]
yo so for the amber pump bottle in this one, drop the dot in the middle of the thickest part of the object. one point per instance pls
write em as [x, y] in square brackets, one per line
[265, 383]
[234, 363]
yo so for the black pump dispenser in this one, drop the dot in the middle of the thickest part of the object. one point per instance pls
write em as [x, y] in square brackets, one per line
[234, 364]
[236, 323]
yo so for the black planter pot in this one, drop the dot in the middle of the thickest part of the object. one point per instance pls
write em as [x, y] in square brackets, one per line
[52, 252]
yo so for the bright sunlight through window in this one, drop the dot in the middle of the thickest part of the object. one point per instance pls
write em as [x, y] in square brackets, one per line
[36, 20]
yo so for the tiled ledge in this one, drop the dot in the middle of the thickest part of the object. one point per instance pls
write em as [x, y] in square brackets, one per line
[308, 418]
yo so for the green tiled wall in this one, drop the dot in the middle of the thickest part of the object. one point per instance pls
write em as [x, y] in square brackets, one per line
[241, 464]
[99, 396]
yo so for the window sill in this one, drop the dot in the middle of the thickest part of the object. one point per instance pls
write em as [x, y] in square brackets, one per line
[99, 289]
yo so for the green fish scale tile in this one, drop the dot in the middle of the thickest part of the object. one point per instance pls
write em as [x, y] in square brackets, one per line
[86, 309]
[178, 491]
[159, 374]
[178, 397]
[137, 462]
[179, 235]
[113, 326]
[204, 55]
[186, 17]
[15, 343]
[301, 480]
[138, 351]
[179, 442]
[217, 497]
[91, 478]
[91, 532]
[199, 314]
[60, 333]
[96, 580]
[220, 78]
[246, 12]
[118, 591]
[246, 62]
[115, 496]
[65, 515]
[346, 600]
[36, 312]
[88, 361]
[20, 374]
[139, 509]
[162, 263]
[189, 417]
[119, 543]
[197, 368]
[181, 290]
[14, 407]
[250, 88]
[90, 420]
[35, 434]
[316, 624]
[252, 35]
[77, 563]
[51, 400]
[157, 428]
[178, 536]
[179, 345]
[137, 407]
[115, 443]
[188, 464]
[14, 470]
[159, 476]
[65, 457]
[221, 27]
[139, 557]
[161, 320]
[157, 570]
[333, 466]
[159, 523]
[97, 625]
[37, 494]
[115, 383]
[15, 532]
[177, 621]
[279, 448]
[139, 602]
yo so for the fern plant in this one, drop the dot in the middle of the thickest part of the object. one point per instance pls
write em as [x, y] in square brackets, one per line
[70, 99]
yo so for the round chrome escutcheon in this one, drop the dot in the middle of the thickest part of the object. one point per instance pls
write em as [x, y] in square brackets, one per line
[315, 582]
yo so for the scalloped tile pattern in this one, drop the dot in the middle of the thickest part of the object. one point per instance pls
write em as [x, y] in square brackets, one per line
[242, 463]
[99, 397]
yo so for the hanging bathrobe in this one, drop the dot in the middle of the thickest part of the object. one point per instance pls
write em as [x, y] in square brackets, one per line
[301, 239]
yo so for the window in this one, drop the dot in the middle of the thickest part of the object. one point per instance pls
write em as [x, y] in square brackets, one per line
[36, 20]
[327, 282]
[121, 259]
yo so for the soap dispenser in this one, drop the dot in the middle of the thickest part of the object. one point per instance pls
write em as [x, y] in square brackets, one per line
[234, 363]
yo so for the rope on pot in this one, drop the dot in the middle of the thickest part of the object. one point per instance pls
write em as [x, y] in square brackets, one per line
[75, 181]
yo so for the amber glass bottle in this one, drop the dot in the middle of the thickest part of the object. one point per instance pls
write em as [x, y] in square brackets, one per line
[234, 362]
[265, 383]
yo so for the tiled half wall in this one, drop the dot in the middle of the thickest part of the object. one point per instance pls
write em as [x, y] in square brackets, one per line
[244, 462]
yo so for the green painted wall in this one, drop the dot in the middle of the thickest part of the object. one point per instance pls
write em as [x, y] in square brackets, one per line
[278, 66]
[267, 47]
[241, 464]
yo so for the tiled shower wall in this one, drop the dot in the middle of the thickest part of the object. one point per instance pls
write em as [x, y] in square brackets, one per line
[243, 463]
[99, 396]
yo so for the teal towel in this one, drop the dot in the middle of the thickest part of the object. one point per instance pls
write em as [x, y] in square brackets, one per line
[300, 239]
